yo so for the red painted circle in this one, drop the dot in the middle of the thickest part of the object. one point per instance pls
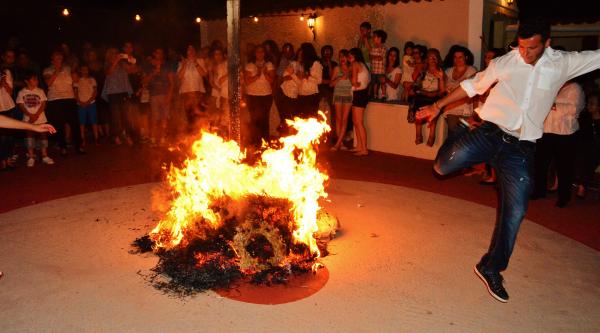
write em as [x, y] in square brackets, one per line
[296, 288]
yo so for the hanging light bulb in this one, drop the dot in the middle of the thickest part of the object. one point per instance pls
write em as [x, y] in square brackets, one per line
[138, 17]
[66, 12]
[255, 19]
[198, 20]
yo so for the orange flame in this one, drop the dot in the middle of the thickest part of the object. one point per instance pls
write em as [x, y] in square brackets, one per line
[215, 170]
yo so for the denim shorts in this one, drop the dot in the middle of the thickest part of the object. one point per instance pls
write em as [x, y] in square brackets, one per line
[88, 115]
[342, 99]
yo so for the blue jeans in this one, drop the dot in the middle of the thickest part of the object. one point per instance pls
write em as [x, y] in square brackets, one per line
[513, 160]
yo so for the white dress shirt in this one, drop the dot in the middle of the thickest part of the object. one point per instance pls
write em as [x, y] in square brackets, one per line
[524, 94]
[310, 84]
[562, 119]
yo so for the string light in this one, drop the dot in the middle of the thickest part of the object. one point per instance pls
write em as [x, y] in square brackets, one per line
[138, 17]
[198, 20]
[65, 12]
[255, 19]
[302, 17]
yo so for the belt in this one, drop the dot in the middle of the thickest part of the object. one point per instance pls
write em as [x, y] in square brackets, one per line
[494, 129]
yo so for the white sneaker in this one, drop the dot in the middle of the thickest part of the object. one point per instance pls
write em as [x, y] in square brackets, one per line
[47, 160]
[30, 162]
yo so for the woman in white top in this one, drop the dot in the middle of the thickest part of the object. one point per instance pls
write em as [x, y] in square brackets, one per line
[219, 82]
[429, 87]
[190, 72]
[61, 109]
[310, 77]
[288, 98]
[393, 74]
[259, 74]
[360, 98]
[462, 69]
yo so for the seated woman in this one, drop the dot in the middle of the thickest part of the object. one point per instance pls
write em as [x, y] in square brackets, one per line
[462, 68]
[428, 88]
[393, 75]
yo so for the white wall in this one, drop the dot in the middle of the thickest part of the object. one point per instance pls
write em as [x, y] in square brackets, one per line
[434, 23]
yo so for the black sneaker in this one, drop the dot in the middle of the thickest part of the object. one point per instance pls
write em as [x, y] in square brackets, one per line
[493, 283]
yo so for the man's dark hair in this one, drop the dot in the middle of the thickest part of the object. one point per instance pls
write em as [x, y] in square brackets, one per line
[381, 34]
[409, 44]
[366, 25]
[534, 26]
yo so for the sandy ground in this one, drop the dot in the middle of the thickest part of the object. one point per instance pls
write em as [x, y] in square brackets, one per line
[402, 263]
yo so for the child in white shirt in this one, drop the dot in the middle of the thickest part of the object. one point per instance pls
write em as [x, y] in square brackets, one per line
[85, 93]
[32, 102]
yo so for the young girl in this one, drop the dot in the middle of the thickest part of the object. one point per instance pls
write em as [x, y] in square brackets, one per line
[219, 82]
[342, 97]
[32, 102]
[259, 75]
[360, 98]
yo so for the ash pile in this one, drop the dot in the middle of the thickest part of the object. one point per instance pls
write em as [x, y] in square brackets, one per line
[254, 244]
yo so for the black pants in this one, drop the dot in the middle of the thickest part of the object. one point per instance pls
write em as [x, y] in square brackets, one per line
[308, 106]
[562, 149]
[285, 107]
[120, 124]
[63, 112]
[259, 108]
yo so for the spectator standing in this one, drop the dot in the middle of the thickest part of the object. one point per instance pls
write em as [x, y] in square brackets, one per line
[342, 96]
[86, 91]
[310, 77]
[329, 65]
[220, 82]
[259, 74]
[161, 81]
[281, 98]
[288, 98]
[365, 42]
[559, 142]
[32, 102]
[360, 98]
[61, 109]
[393, 75]
[116, 91]
[96, 68]
[7, 104]
[377, 55]
[588, 145]
[191, 72]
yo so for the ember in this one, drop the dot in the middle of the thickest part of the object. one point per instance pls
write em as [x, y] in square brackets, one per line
[228, 219]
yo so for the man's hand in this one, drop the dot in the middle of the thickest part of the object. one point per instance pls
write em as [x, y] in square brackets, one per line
[428, 112]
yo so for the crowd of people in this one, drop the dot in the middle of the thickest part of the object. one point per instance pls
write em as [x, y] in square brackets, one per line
[126, 96]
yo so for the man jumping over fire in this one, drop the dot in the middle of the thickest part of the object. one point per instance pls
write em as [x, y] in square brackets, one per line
[527, 81]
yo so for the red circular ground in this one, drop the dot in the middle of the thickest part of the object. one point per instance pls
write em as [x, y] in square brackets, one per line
[297, 288]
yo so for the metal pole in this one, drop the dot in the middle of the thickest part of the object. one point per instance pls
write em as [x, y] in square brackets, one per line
[233, 67]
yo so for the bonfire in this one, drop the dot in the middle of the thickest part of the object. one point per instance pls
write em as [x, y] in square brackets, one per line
[228, 219]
